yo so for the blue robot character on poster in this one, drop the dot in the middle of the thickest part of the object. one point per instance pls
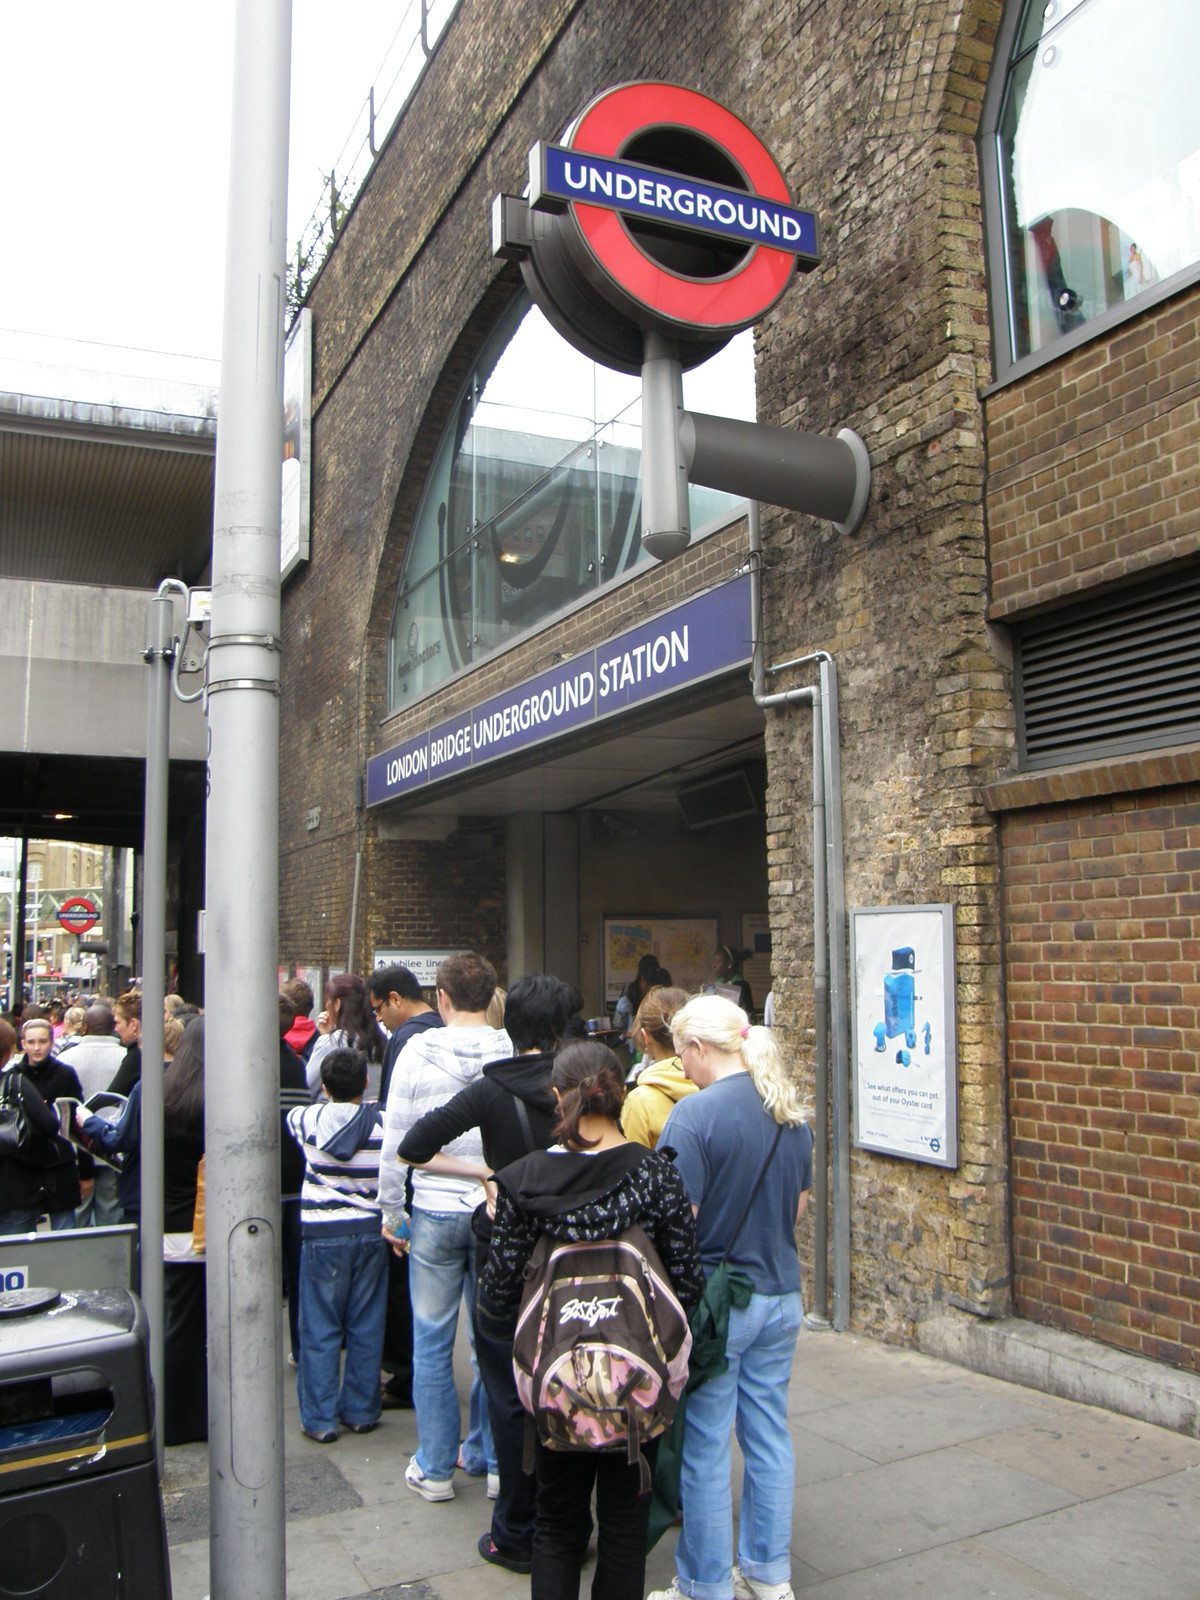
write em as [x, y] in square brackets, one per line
[900, 1008]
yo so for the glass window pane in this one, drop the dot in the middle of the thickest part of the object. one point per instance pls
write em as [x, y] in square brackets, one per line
[534, 497]
[1099, 146]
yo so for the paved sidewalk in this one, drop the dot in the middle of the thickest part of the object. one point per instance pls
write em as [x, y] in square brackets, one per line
[913, 1477]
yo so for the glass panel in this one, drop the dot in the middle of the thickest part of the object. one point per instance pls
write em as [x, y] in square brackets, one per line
[534, 498]
[430, 636]
[619, 492]
[1099, 145]
[1041, 17]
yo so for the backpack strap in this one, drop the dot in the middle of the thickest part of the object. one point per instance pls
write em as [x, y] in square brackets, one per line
[522, 1111]
[754, 1192]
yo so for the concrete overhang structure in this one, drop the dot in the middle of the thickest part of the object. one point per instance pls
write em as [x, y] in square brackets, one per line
[100, 499]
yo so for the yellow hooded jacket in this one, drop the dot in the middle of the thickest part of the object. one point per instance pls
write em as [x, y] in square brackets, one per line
[648, 1104]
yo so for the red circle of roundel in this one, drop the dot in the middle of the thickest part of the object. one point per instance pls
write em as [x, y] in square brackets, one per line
[737, 299]
[78, 915]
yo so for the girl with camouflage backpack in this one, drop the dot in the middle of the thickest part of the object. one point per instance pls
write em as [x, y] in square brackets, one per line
[593, 1187]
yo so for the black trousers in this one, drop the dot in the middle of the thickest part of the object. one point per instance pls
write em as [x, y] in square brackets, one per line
[290, 1237]
[512, 1509]
[397, 1333]
[185, 1353]
[565, 1479]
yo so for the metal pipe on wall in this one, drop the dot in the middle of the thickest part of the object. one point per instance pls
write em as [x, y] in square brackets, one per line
[354, 910]
[829, 1009]
[245, 1401]
[838, 999]
[158, 656]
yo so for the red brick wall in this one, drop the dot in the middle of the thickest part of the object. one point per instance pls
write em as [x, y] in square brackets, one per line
[1103, 965]
[1093, 462]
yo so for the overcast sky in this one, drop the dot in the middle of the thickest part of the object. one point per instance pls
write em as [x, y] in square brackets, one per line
[114, 121]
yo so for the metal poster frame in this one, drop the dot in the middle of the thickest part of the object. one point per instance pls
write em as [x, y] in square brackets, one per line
[904, 1044]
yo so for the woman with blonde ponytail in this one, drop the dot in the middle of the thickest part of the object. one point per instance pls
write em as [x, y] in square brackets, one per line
[743, 1148]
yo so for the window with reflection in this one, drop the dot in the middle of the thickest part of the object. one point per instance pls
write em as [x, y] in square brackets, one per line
[533, 500]
[1098, 149]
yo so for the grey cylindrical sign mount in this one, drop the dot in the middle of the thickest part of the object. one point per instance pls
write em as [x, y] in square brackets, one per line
[808, 472]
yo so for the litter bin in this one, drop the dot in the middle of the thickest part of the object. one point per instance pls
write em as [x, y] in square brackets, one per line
[80, 1509]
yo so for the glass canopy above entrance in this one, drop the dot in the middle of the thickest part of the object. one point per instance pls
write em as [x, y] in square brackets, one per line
[533, 499]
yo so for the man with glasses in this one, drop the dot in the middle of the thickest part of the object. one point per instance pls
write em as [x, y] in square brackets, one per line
[400, 1005]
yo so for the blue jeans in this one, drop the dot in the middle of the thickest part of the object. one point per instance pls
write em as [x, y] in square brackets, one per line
[343, 1294]
[25, 1220]
[751, 1394]
[102, 1208]
[441, 1272]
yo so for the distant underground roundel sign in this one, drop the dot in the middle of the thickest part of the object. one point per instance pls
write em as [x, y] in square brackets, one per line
[78, 915]
[658, 212]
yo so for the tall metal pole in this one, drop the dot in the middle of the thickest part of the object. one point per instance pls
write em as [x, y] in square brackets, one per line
[158, 655]
[22, 913]
[245, 1358]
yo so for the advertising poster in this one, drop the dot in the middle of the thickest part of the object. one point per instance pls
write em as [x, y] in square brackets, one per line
[684, 945]
[314, 978]
[905, 1054]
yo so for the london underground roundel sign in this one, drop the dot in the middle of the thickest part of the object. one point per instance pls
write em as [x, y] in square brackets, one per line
[659, 211]
[78, 915]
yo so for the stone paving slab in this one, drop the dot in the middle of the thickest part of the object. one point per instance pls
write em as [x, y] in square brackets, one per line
[914, 1477]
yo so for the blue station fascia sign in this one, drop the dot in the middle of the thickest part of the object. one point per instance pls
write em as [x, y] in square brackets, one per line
[704, 637]
[558, 176]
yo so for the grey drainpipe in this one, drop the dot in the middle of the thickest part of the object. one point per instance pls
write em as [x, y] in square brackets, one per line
[829, 916]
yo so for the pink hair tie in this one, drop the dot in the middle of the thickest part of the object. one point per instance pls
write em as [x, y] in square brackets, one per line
[746, 1031]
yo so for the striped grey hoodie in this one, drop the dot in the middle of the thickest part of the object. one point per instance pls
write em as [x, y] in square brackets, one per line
[431, 1069]
[341, 1142]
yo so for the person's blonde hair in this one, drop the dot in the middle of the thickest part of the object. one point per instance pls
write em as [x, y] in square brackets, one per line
[494, 1011]
[172, 1036]
[654, 1014]
[73, 1019]
[718, 1023]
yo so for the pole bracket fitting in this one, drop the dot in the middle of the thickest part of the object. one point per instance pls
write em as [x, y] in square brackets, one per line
[264, 641]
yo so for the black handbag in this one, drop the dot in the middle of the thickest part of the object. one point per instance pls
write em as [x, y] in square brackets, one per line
[15, 1133]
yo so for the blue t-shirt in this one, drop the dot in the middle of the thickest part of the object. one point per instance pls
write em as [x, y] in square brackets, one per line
[721, 1138]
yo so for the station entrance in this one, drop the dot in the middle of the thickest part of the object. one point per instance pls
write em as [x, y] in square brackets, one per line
[652, 836]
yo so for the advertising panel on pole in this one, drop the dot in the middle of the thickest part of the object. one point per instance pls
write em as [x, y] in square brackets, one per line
[904, 1045]
[297, 446]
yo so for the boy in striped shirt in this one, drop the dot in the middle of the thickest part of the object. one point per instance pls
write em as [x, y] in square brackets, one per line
[343, 1264]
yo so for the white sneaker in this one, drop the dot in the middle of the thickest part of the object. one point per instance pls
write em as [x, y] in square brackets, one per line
[673, 1593]
[493, 1485]
[428, 1488]
[745, 1588]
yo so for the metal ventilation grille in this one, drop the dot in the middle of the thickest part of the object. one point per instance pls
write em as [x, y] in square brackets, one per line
[1117, 675]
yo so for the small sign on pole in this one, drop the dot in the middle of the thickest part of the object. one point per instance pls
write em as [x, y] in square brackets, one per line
[78, 915]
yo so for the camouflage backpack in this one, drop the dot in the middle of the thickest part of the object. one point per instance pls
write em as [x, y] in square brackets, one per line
[601, 1349]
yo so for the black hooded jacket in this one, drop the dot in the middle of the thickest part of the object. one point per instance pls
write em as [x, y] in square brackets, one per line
[571, 1194]
[490, 1104]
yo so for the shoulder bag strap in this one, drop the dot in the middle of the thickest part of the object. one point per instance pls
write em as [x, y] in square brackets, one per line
[522, 1111]
[754, 1192]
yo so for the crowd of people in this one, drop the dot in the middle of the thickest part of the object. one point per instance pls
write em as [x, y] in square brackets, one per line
[481, 1151]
